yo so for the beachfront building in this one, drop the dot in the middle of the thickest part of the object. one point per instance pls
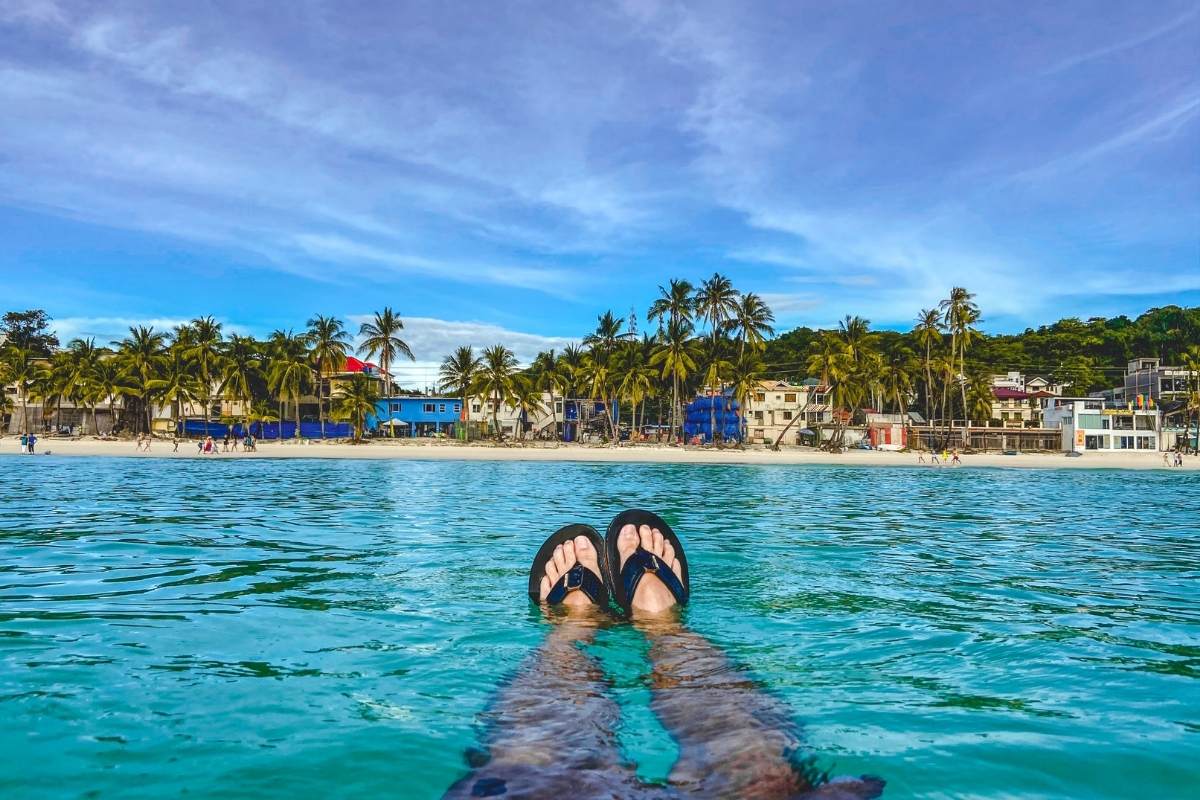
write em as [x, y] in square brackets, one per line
[1090, 424]
[1030, 384]
[418, 416]
[1150, 379]
[792, 410]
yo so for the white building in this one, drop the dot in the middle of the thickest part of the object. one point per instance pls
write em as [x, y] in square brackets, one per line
[1089, 424]
[1150, 378]
[778, 406]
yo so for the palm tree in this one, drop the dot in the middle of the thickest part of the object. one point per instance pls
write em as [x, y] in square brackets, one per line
[140, 355]
[607, 334]
[552, 376]
[22, 370]
[747, 372]
[597, 378]
[1191, 360]
[496, 380]
[354, 400]
[82, 359]
[717, 302]
[676, 357]
[109, 385]
[290, 371]
[239, 369]
[528, 398]
[673, 304]
[203, 348]
[928, 335]
[381, 337]
[260, 412]
[569, 368]
[330, 343]
[458, 372]
[176, 383]
[897, 375]
[959, 314]
[753, 320]
[636, 379]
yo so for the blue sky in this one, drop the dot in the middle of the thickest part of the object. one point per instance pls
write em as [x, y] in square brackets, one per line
[508, 171]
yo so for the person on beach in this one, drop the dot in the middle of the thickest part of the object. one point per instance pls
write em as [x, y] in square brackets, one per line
[933, 458]
[174, 443]
[553, 727]
[225, 448]
[208, 445]
[32, 443]
[955, 460]
[24, 443]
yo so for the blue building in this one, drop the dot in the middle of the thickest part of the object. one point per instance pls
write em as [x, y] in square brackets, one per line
[416, 416]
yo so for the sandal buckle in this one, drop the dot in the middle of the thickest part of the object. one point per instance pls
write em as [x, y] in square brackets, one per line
[574, 578]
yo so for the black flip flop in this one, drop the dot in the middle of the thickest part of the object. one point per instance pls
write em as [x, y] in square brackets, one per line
[578, 578]
[622, 582]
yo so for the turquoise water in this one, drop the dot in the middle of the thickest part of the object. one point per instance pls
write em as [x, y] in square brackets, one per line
[284, 629]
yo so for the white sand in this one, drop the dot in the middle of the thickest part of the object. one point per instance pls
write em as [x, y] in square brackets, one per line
[441, 451]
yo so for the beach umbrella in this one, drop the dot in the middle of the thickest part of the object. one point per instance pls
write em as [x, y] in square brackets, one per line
[396, 423]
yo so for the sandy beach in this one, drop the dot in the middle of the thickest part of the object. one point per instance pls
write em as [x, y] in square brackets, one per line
[445, 451]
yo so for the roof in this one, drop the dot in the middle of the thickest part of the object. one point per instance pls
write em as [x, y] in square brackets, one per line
[779, 385]
[354, 365]
[1003, 393]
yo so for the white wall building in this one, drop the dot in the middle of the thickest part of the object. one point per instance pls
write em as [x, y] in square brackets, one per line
[775, 405]
[1089, 424]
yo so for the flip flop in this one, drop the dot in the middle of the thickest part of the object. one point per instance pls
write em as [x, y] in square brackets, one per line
[577, 578]
[624, 583]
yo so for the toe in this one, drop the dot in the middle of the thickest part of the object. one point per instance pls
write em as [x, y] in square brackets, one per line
[668, 554]
[646, 537]
[544, 588]
[627, 542]
[656, 539]
[586, 553]
[560, 560]
[568, 548]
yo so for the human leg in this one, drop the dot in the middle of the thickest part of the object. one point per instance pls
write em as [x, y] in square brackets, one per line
[551, 730]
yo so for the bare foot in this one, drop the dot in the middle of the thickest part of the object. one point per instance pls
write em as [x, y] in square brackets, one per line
[574, 551]
[652, 595]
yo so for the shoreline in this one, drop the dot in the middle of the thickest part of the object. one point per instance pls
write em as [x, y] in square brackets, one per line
[647, 454]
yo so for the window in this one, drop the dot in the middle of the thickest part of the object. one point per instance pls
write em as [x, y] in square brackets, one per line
[787, 415]
[1123, 442]
[441, 408]
[760, 397]
[429, 408]
[1142, 422]
[457, 407]
[395, 408]
[1145, 443]
[790, 397]
[1122, 423]
[558, 406]
[758, 416]
[475, 407]
[1092, 421]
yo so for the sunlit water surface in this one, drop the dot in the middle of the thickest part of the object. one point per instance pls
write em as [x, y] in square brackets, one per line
[286, 629]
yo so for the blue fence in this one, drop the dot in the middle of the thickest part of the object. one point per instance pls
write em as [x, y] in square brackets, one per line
[266, 430]
[706, 415]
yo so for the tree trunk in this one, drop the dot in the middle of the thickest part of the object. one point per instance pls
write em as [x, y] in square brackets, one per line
[296, 397]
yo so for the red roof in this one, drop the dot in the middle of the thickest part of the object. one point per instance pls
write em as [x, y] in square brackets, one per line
[1003, 393]
[354, 365]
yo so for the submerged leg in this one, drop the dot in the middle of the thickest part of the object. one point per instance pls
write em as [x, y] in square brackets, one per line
[552, 728]
[734, 739]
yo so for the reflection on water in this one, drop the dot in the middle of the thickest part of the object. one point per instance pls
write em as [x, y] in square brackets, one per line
[324, 628]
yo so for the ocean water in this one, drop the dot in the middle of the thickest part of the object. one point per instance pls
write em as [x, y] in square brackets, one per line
[285, 629]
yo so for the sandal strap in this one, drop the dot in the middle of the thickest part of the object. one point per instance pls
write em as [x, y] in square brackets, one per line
[577, 578]
[643, 561]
